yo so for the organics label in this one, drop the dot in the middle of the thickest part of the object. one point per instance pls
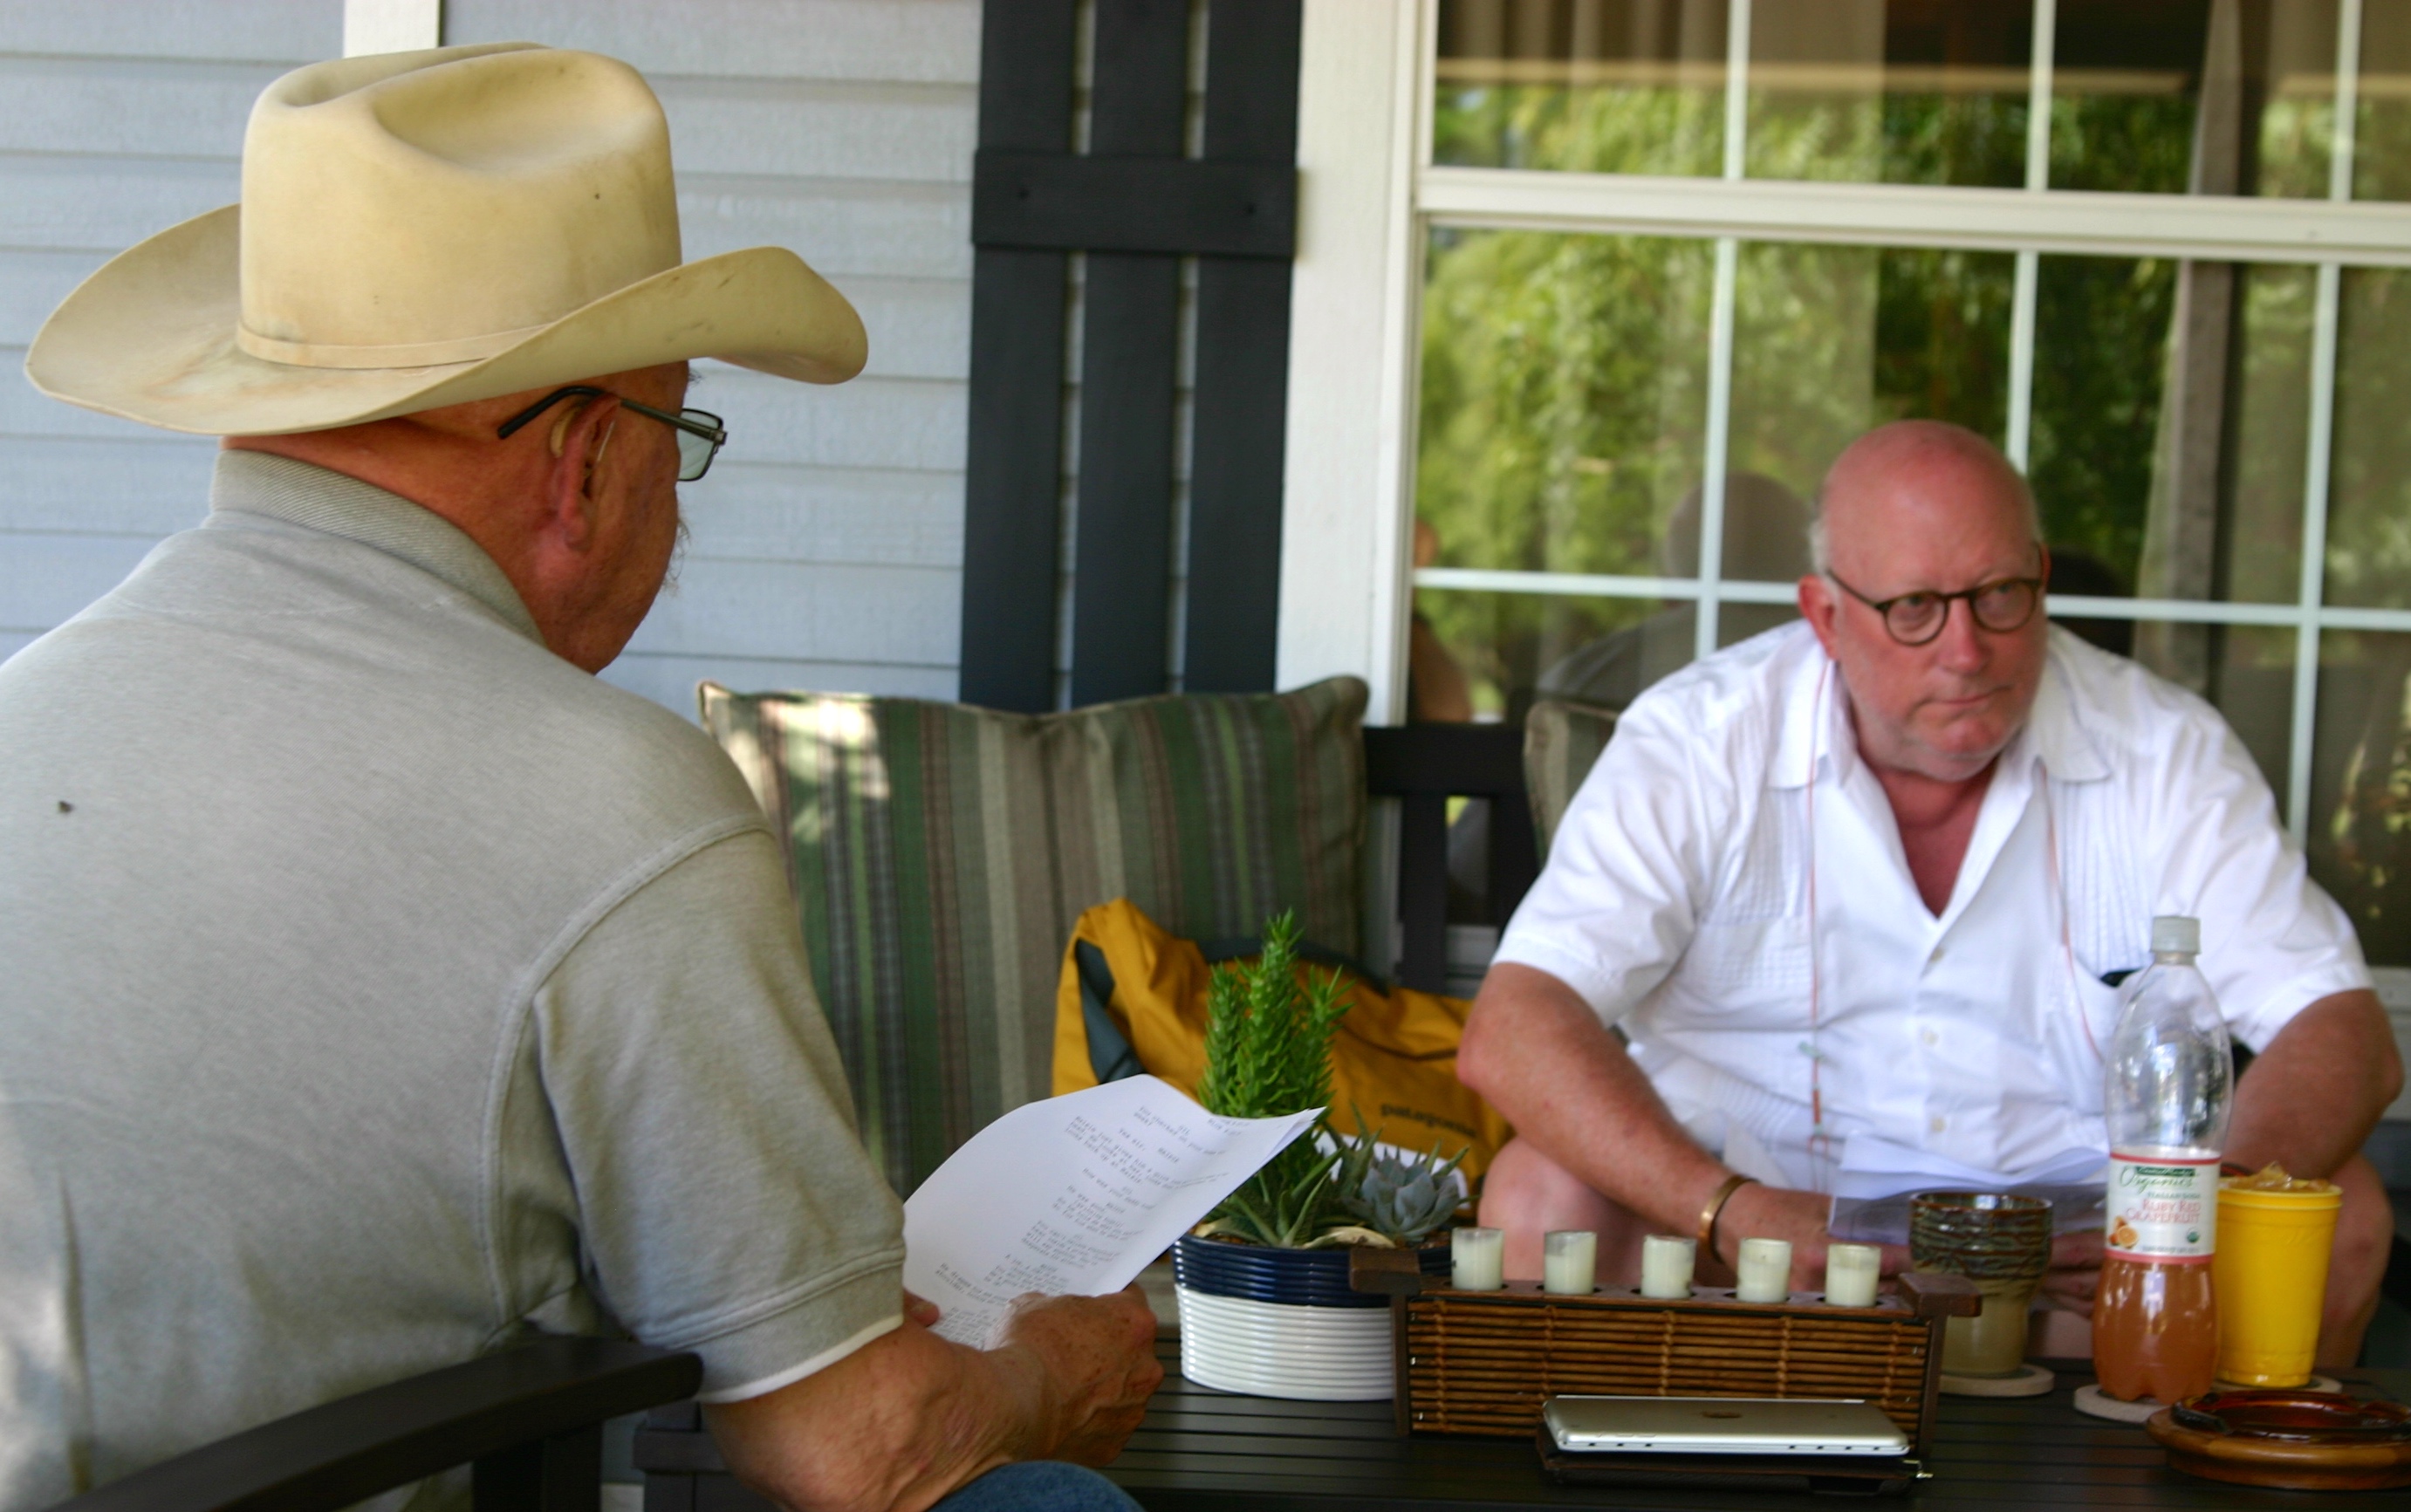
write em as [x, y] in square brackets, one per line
[2163, 1209]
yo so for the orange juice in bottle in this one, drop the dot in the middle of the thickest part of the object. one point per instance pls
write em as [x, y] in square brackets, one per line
[2169, 1082]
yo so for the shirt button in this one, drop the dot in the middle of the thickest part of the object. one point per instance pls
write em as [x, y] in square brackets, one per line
[1929, 1037]
[1934, 1123]
[1936, 959]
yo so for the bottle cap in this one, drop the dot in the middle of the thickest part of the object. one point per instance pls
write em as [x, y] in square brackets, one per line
[2175, 934]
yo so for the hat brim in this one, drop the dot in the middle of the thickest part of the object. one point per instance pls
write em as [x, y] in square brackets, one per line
[150, 336]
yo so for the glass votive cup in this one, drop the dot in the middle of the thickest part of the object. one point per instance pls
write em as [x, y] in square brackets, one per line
[1666, 1266]
[1852, 1271]
[1763, 1270]
[1478, 1258]
[1569, 1262]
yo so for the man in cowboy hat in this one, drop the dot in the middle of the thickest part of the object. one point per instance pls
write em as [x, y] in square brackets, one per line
[381, 987]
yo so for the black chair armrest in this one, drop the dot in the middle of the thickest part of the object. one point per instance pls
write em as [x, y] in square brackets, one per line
[497, 1412]
[1424, 765]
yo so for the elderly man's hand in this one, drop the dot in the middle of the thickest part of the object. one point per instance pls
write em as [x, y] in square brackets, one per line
[1096, 1357]
[1762, 1212]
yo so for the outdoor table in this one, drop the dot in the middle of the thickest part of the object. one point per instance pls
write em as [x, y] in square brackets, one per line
[1201, 1448]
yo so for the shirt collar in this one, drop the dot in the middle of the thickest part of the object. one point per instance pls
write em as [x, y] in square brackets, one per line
[1817, 730]
[1816, 715]
[317, 499]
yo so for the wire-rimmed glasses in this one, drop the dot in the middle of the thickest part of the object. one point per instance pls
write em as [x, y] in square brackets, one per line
[700, 434]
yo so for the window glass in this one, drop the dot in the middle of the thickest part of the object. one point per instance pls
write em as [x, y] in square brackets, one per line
[1830, 341]
[2170, 406]
[2194, 96]
[2369, 504]
[1512, 647]
[2381, 161]
[1594, 86]
[1905, 92]
[2361, 787]
[1563, 400]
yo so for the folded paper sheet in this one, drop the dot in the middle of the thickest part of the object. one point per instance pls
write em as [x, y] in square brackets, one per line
[1074, 1197]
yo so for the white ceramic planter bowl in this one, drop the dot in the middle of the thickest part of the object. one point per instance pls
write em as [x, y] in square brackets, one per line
[1273, 1349]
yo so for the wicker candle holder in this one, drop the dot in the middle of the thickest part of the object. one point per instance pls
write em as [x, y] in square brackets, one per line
[1483, 1363]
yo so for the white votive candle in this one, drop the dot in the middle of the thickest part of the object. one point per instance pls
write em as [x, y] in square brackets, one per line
[1569, 1262]
[1764, 1272]
[1666, 1264]
[1478, 1258]
[1850, 1271]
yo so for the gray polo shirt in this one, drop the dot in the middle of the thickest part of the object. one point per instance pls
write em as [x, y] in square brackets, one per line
[377, 988]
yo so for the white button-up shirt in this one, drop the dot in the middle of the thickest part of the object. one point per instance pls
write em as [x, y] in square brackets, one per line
[1729, 888]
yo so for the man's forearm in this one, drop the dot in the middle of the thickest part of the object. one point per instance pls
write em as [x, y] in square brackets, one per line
[1542, 1057]
[2310, 1098]
[891, 1428]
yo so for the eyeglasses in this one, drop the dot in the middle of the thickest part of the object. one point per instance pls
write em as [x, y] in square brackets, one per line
[1915, 618]
[700, 433]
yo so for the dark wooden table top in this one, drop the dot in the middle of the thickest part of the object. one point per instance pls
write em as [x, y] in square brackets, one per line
[1202, 1448]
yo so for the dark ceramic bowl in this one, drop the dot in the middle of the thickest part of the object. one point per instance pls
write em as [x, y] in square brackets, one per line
[1295, 1278]
[1984, 1236]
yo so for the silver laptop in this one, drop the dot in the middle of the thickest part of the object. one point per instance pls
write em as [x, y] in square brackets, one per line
[1722, 1425]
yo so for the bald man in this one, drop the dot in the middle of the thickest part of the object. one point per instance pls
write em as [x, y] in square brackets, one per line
[1865, 884]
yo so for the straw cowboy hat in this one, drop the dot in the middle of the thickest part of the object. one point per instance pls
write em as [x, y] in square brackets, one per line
[426, 228]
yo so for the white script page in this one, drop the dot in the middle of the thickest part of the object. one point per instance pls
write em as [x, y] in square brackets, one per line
[1074, 1197]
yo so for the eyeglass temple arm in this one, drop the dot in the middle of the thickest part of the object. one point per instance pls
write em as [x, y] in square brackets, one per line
[512, 426]
[667, 417]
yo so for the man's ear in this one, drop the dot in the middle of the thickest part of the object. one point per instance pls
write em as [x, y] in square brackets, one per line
[1818, 605]
[578, 440]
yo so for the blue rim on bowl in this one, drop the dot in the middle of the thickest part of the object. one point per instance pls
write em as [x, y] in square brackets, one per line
[1296, 1277]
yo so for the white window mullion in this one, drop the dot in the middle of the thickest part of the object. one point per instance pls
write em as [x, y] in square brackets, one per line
[2019, 439]
[1712, 476]
[2022, 296]
[2087, 223]
[1736, 87]
[1720, 337]
[2320, 445]
[2315, 554]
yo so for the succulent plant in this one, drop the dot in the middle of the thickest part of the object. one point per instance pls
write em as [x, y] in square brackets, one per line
[1268, 1052]
[1402, 1199]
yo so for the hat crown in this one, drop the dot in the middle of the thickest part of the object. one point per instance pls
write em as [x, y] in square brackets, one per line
[422, 207]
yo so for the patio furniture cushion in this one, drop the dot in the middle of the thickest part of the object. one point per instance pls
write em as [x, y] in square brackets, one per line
[1561, 739]
[940, 855]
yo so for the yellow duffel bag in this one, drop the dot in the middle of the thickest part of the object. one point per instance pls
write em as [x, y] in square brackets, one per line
[1131, 998]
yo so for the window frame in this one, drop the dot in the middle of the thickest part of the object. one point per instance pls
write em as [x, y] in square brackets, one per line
[1348, 580]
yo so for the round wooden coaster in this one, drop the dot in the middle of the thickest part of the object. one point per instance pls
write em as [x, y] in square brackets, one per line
[2031, 1380]
[2091, 1399]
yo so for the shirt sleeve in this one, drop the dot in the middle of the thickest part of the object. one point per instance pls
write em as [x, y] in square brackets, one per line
[1628, 874]
[724, 1201]
[2272, 942]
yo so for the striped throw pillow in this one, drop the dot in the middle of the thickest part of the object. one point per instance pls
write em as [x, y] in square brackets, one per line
[940, 855]
[1561, 739]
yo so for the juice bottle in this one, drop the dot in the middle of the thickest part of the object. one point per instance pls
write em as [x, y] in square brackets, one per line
[2169, 1082]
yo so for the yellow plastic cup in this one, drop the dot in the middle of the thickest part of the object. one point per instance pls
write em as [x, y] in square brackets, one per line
[2269, 1276]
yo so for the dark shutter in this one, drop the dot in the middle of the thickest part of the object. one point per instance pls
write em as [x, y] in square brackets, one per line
[1136, 205]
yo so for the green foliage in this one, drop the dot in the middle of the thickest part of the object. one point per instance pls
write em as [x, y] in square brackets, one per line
[1268, 1053]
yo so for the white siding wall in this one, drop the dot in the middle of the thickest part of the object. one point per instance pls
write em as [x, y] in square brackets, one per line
[827, 545]
[123, 117]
